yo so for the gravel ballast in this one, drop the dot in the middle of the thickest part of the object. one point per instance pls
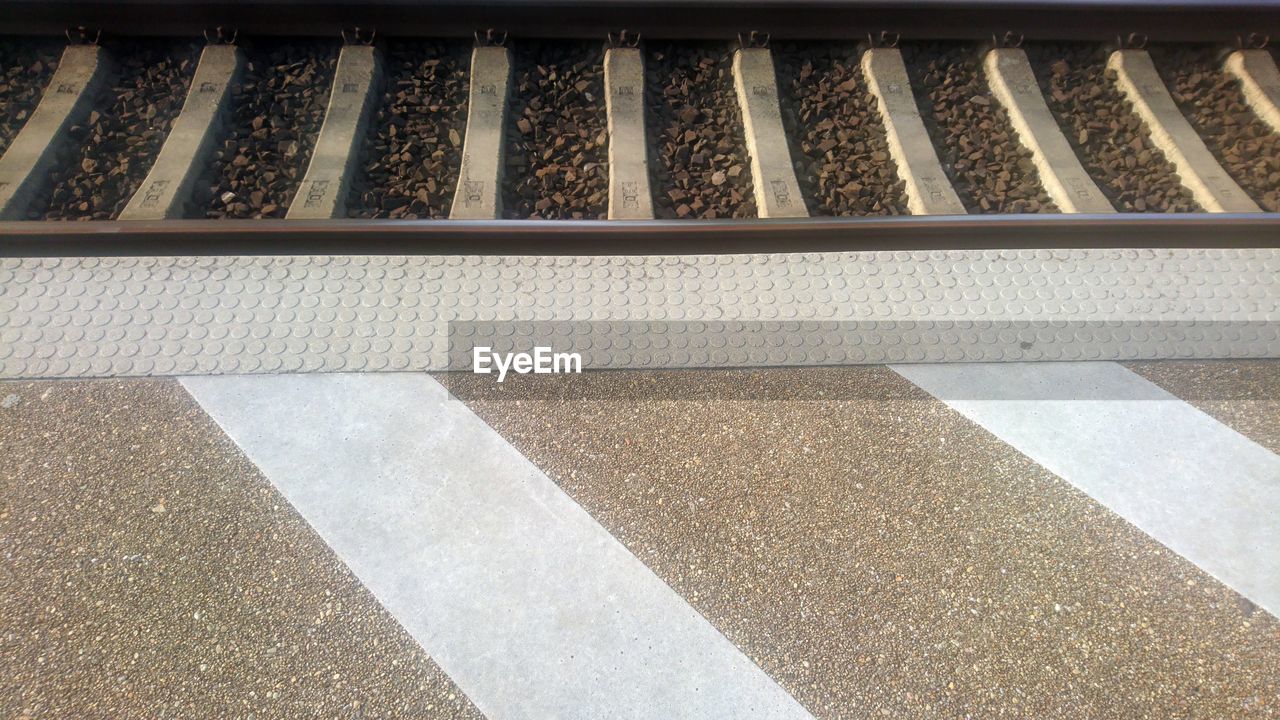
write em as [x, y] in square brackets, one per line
[837, 138]
[115, 146]
[1112, 142]
[277, 110]
[1214, 103]
[414, 147]
[557, 164]
[698, 154]
[990, 170]
[25, 69]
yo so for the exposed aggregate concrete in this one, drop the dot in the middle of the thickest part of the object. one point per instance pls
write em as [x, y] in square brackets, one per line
[880, 555]
[150, 571]
[1244, 395]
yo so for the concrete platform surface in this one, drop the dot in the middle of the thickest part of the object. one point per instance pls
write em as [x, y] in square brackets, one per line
[881, 555]
[828, 542]
[151, 571]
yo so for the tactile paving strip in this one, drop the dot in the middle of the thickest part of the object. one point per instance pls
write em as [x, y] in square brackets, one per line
[74, 317]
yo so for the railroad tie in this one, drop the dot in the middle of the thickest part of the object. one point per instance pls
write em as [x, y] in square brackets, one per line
[1208, 182]
[1013, 83]
[629, 194]
[479, 192]
[167, 189]
[773, 176]
[323, 192]
[1260, 81]
[67, 100]
[929, 192]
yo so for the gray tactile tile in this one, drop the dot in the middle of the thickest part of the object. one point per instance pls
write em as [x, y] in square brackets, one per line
[212, 315]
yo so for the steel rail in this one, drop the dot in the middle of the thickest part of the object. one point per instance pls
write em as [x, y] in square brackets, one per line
[1175, 20]
[657, 237]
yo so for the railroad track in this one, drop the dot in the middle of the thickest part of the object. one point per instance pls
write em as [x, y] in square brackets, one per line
[879, 139]
[253, 463]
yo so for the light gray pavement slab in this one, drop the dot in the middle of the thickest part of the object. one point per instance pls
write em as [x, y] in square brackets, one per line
[1212, 187]
[148, 570]
[81, 73]
[226, 315]
[1260, 81]
[165, 192]
[524, 600]
[1013, 82]
[774, 178]
[324, 189]
[929, 192]
[882, 556]
[630, 197]
[1192, 483]
[479, 192]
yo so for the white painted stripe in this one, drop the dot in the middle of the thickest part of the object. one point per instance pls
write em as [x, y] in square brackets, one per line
[531, 607]
[1197, 486]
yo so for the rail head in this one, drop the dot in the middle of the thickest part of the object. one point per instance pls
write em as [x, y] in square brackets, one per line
[637, 237]
[1172, 20]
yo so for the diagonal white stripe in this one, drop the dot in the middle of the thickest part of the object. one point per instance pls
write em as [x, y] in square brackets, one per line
[1197, 486]
[532, 607]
